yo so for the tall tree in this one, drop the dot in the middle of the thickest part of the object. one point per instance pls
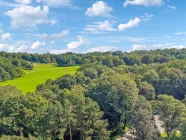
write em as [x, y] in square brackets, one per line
[116, 95]
[143, 122]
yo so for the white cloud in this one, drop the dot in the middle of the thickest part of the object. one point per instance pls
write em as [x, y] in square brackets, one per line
[52, 42]
[132, 23]
[18, 47]
[1, 31]
[103, 49]
[121, 39]
[143, 2]
[55, 3]
[180, 33]
[53, 21]
[22, 48]
[37, 45]
[57, 36]
[11, 48]
[171, 7]
[9, 4]
[150, 47]
[61, 51]
[179, 47]
[3, 46]
[6, 36]
[167, 36]
[147, 17]
[99, 9]
[100, 27]
[28, 16]
[156, 46]
[138, 47]
[24, 1]
[76, 44]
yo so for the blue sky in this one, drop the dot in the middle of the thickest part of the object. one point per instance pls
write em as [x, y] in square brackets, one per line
[59, 26]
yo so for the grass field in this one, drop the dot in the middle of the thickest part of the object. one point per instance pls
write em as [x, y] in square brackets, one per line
[39, 75]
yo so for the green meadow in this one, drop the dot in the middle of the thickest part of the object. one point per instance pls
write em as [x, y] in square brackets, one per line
[39, 75]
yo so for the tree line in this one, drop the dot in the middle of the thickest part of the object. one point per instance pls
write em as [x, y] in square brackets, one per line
[11, 68]
[111, 59]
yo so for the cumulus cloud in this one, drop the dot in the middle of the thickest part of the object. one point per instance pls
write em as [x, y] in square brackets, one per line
[179, 46]
[146, 3]
[55, 3]
[132, 23]
[99, 9]
[13, 48]
[103, 49]
[76, 44]
[37, 45]
[28, 16]
[100, 27]
[3, 46]
[24, 1]
[6, 36]
[56, 36]
[138, 47]
[61, 51]
[19, 46]
[156, 46]
[22, 48]
[71, 47]
[150, 47]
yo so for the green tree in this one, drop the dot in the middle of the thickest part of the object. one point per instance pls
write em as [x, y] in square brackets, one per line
[151, 76]
[66, 81]
[91, 73]
[88, 116]
[143, 122]
[147, 90]
[116, 95]
[170, 111]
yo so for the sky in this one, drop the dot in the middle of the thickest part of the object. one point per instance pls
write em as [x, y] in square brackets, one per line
[81, 26]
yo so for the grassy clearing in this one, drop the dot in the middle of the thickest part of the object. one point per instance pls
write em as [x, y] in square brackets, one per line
[39, 75]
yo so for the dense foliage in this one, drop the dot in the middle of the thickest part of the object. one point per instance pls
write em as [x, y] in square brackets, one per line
[111, 59]
[111, 93]
[11, 68]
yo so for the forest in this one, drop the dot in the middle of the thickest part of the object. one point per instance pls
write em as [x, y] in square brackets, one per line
[111, 95]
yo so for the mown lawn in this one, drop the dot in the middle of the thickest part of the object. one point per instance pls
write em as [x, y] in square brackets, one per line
[39, 75]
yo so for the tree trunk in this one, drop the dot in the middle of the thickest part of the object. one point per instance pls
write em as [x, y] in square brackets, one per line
[125, 123]
[81, 135]
[168, 133]
[70, 129]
